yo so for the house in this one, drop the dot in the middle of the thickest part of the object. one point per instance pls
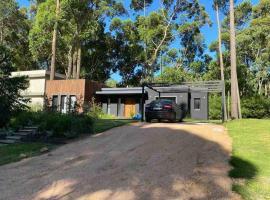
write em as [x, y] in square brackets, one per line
[126, 102]
[74, 95]
[37, 83]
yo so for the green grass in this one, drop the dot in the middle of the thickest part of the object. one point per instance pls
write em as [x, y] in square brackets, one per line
[214, 121]
[251, 158]
[11, 153]
[102, 125]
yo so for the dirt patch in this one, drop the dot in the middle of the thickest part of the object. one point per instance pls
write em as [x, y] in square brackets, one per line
[141, 161]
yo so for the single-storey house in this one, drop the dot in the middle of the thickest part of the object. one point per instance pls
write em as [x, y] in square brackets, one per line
[126, 102]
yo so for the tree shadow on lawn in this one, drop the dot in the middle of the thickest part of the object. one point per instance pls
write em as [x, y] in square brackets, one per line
[242, 169]
[141, 162]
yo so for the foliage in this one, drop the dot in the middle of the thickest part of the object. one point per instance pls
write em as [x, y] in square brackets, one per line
[14, 30]
[215, 106]
[256, 107]
[60, 125]
[141, 41]
[111, 83]
[11, 100]
[251, 157]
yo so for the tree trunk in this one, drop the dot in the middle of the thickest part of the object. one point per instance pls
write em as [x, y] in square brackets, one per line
[70, 53]
[234, 82]
[221, 58]
[54, 40]
[2, 32]
[74, 64]
[79, 57]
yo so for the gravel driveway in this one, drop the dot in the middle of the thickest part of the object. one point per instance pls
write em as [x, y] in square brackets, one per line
[160, 161]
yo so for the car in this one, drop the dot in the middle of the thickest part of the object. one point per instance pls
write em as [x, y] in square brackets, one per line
[163, 109]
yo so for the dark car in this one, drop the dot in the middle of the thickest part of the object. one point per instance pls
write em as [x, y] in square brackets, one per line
[163, 109]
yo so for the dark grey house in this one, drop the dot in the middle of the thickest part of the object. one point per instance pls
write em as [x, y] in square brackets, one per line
[126, 102]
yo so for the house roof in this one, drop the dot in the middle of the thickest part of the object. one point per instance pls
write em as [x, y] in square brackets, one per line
[37, 74]
[133, 90]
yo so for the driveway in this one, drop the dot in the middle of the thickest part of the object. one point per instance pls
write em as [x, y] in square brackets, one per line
[140, 161]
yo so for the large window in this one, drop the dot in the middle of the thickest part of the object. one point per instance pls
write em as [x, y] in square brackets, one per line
[197, 103]
[63, 105]
[55, 103]
[72, 103]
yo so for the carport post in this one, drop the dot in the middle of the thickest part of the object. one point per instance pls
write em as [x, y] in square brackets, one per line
[224, 117]
[142, 104]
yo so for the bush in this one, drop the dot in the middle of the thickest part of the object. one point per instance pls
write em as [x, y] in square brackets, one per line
[252, 107]
[60, 125]
[255, 107]
[215, 106]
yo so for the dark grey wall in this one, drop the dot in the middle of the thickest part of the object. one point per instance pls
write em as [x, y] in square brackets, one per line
[201, 113]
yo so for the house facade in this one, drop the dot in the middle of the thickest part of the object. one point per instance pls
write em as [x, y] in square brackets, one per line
[37, 84]
[126, 102]
[65, 96]
[70, 95]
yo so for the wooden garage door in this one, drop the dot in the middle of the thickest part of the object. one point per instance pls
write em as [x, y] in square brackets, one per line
[129, 109]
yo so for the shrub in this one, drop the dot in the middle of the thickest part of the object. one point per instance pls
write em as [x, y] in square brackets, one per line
[60, 125]
[215, 106]
[255, 107]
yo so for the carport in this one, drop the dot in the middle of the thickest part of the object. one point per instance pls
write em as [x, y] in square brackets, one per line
[197, 92]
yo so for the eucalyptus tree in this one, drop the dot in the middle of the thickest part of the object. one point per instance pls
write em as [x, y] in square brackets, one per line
[175, 20]
[216, 5]
[254, 47]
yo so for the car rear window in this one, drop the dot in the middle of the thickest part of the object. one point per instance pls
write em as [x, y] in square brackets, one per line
[162, 101]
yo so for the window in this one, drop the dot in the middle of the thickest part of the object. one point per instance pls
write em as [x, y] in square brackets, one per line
[169, 98]
[63, 105]
[197, 103]
[54, 103]
[72, 101]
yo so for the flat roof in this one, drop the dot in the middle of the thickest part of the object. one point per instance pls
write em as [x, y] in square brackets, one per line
[132, 90]
[36, 74]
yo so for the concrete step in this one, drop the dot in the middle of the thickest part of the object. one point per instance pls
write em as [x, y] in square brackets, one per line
[30, 127]
[22, 134]
[26, 130]
[13, 137]
[8, 141]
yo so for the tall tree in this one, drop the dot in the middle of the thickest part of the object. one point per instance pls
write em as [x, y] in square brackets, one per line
[235, 100]
[221, 63]
[54, 40]
[176, 20]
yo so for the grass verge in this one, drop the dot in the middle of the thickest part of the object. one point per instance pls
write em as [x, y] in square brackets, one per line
[251, 158]
[12, 152]
[102, 125]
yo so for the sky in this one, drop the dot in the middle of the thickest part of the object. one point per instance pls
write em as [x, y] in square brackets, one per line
[210, 33]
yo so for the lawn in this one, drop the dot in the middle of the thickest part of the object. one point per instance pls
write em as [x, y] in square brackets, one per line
[102, 125]
[12, 152]
[251, 158]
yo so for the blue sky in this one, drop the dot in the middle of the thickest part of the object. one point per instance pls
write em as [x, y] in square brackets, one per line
[210, 33]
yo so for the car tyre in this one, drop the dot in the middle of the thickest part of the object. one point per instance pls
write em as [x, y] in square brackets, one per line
[147, 119]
